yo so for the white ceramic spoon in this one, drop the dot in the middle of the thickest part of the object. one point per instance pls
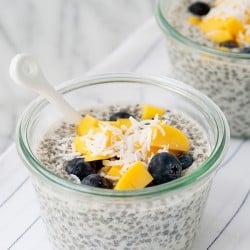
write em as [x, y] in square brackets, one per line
[24, 70]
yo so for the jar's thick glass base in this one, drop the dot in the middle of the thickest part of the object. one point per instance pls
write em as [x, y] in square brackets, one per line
[169, 221]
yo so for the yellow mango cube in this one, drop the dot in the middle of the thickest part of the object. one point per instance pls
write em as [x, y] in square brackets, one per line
[124, 122]
[234, 26]
[153, 150]
[90, 157]
[212, 24]
[80, 145]
[149, 111]
[105, 169]
[222, 30]
[137, 176]
[111, 123]
[220, 36]
[115, 171]
[172, 137]
[85, 124]
[194, 20]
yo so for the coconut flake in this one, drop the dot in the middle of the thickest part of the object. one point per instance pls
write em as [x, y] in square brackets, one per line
[127, 144]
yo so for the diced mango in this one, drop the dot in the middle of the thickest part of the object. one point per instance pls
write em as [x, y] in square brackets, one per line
[234, 26]
[220, 36]
[149, 111]
[194, 20]
[90, 157]
[174, 152]
[153, 150]
[85, 124]
[115, 171]
[222, 30]
[212, 24]
[124, 121]
[105, 169]
[109, 135]
[80, 145]
[172, 137]
[111, 123]
[137, 176]
[118, 124]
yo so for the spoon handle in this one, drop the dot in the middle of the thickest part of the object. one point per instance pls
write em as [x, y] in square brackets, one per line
[24, 70]
[55, 98]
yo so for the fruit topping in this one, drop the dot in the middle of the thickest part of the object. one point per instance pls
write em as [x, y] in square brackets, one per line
[219, 36]
[95, 180]
[149, 111]
[80, 168]
[227, 22]
[199, 8]
[115, 171]
[85, 124]
[117, 115]
[164, 167]
[137, 176]
[186, 160]
[194, 20]
[120, 150]
[166, 135]
[221, 29]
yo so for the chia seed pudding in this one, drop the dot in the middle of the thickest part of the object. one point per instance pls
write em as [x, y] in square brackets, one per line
[151, 216]
[163, 222]
[219, 68]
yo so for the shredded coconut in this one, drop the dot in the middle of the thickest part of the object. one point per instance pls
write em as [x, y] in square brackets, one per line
[127, 144]
[240, 9]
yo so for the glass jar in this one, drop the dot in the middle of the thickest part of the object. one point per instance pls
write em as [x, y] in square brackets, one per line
[166, 216]
[222, 75]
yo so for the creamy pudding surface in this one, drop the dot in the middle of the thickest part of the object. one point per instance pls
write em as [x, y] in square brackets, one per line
[222, 73]
[57, 147]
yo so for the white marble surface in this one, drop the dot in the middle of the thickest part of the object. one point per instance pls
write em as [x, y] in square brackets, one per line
[68, 37]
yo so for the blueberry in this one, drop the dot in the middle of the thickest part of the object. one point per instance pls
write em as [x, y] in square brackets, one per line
[199, 8]
[186, 160]
[95, 180]
[118, 115]
[106, 183]
[164, 167]
[246, 50]
[97, 164]
[229, 44]
[80, 168]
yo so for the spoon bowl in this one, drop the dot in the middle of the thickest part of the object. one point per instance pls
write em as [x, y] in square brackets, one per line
[25, 70]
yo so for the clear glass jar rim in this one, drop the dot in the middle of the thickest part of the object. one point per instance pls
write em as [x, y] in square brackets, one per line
[167, 27]
[203, 170]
